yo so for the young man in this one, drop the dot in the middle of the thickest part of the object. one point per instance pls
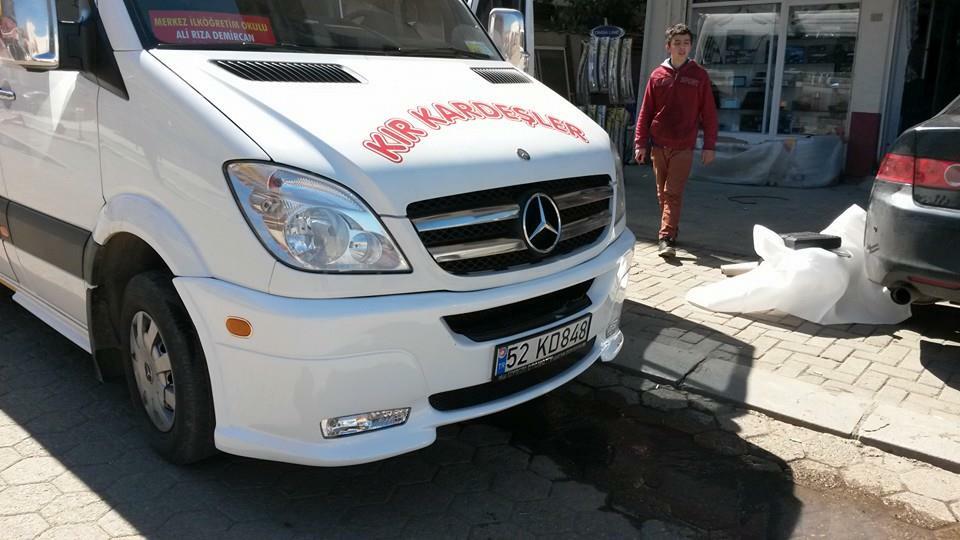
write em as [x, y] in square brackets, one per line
[677, 101]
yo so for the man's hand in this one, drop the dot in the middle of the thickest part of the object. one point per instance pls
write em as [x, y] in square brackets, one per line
[708, 156]
[641, 155]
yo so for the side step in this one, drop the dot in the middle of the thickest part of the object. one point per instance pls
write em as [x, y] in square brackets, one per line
[56, 320]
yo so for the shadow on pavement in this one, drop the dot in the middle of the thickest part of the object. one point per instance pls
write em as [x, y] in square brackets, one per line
[939, 353]
[747, 494]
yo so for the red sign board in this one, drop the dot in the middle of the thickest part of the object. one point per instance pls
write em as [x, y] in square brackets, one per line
[201, 27]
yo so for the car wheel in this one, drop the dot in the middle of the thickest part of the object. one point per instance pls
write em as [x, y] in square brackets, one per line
[166, 371]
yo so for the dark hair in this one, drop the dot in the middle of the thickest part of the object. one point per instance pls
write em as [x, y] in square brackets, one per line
[678, 29]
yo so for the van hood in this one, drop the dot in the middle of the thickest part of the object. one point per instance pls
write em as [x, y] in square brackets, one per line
[410, 129]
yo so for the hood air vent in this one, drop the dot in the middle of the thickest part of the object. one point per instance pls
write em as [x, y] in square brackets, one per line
[287, 71]
[502, 75]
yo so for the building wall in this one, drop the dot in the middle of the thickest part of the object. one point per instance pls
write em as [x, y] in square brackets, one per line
[660, 15]
[871, 76]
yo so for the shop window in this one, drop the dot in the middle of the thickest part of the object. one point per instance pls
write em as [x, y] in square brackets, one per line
[818, 69]
[779, 68]
[738, 48]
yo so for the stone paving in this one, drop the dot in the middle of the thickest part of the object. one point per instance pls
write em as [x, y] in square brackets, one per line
[594, 460]
[914, 365]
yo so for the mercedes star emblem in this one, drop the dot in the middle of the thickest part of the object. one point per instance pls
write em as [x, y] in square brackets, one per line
[522, 154]
[541, 223]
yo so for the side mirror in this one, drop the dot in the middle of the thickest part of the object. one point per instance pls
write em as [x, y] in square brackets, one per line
[28, 33]
[508, 32]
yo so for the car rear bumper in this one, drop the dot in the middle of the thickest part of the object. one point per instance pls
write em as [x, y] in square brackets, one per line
[912, 245]
[308, 360]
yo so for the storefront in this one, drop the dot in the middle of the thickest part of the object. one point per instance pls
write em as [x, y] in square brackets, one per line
[799, 84]
[589, 52]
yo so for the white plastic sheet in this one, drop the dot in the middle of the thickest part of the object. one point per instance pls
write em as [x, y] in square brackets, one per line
[814, 284]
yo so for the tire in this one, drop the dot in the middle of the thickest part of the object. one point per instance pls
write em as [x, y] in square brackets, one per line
[168, 380]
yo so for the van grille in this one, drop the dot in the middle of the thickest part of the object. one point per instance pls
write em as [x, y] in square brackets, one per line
[519, 317]
[287, 71]
[480, 232]
[502, 75]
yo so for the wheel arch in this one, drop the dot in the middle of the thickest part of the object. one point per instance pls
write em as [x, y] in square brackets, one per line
[133, 235]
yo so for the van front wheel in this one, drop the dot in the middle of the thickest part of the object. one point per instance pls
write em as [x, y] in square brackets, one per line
[166, 371]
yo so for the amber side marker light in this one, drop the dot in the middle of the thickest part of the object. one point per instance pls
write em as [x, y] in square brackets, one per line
[239, 327]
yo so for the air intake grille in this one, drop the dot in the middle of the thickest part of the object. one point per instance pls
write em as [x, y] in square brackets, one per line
[287, 71]
[480, 232]
[502, 75]
[519, 317]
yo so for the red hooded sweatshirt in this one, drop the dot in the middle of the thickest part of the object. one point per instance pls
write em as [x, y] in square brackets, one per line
[675, 104]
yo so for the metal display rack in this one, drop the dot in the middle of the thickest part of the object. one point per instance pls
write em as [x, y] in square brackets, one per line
[605, 83]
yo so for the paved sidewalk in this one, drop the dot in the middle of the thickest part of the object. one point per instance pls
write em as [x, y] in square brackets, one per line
[895, 386]
[720, 217]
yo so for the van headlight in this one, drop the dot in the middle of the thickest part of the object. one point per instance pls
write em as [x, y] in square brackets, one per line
[311, 223]
[620, 190]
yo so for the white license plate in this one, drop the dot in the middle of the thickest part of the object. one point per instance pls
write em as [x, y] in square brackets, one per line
[514, 358]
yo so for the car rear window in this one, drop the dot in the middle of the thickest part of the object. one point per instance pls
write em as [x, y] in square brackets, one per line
[953, 109]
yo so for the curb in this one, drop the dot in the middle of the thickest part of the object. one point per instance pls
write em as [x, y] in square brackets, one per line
[892, 429]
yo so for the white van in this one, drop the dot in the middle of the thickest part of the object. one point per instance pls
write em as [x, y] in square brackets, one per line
[310, 231]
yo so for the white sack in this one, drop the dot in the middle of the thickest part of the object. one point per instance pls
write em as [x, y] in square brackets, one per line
[813, 284]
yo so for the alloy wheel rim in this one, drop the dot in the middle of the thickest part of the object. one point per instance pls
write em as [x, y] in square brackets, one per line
[153, 371]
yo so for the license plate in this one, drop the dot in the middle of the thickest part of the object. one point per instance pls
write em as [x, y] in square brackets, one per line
[514, 358]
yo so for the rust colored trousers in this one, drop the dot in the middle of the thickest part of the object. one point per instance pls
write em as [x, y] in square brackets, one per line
[672, 168]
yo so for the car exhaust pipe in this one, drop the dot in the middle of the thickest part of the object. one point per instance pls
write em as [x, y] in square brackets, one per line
[902, 295]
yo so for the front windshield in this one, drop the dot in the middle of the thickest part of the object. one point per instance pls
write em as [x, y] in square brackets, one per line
[443, 28]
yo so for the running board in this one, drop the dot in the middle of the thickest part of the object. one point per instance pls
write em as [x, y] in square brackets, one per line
[56, 320]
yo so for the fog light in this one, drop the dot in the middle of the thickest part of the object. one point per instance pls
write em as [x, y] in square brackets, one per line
[611, 346]
[362, 423]
[614, 325]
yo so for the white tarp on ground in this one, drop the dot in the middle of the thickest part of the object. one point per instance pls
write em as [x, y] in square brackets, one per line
[804, 162]
[814, 284]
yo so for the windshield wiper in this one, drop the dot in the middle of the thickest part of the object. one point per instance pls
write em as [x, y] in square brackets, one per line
[336, 50]
[442, 52]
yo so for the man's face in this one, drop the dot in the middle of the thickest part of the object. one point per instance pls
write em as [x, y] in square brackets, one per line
[679, 46]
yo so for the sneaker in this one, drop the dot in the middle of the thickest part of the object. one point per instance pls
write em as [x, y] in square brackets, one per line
[666, 247]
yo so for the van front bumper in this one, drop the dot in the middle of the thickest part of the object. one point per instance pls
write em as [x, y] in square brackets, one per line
[309, 360]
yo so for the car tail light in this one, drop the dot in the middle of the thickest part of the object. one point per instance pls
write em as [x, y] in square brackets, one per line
[897, 168]
[937, 173]
[925, 172]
